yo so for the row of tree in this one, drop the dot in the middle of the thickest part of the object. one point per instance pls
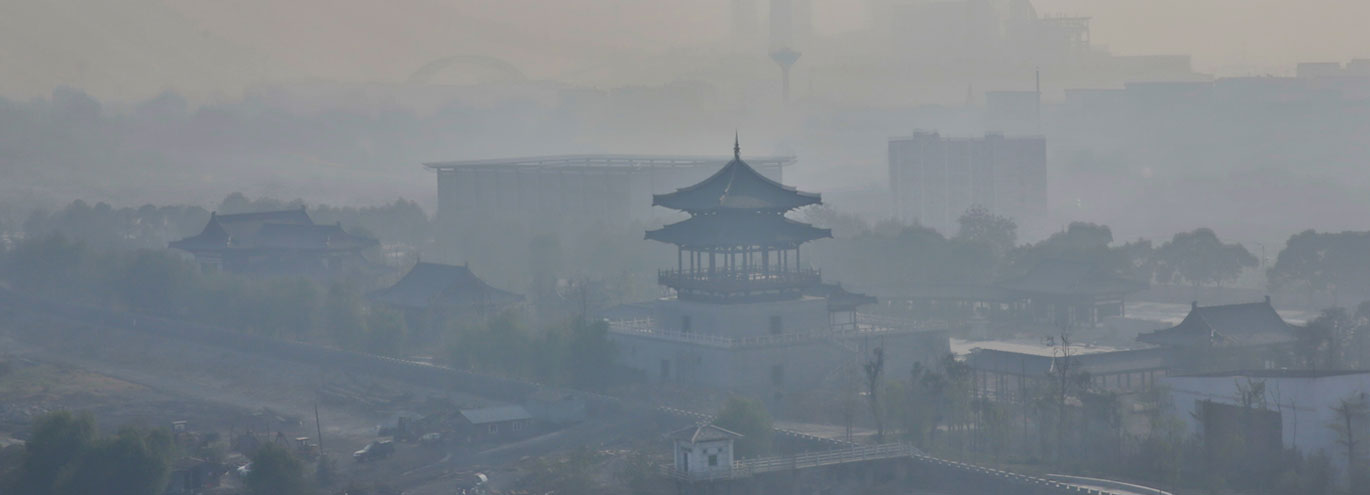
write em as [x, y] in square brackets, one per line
[153, 227]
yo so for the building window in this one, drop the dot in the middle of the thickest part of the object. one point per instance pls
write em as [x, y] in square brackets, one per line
[778, 375]
[494, 427]
[517, 426]
[713, 460]
[777, 325]
[685, 323]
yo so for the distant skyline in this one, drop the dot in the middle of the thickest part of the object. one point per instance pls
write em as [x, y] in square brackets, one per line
[212, 48]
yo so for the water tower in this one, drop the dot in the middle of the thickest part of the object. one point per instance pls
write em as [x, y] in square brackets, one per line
[785, 58]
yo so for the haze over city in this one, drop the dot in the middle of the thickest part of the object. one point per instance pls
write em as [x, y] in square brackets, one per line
[944, 247]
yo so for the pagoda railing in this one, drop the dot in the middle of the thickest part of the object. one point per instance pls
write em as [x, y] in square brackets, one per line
[646, 327]
[751, 279]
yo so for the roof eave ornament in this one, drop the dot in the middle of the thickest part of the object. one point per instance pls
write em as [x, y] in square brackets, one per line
[737, 149]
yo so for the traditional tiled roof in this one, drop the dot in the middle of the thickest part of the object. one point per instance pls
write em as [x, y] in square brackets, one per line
[1230, 324]
[736, 186]
[840, 299]
[426, 282]
[284, 229]
[1071, 278]
[737, 229]
[703, 433]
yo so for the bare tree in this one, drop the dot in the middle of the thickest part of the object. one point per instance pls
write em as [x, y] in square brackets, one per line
[874, 368]
[1352, 414]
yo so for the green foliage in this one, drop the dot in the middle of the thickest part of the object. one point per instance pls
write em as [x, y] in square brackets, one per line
[575, 353]
[1323, 262]
[132, 462]
[275, 472]
[1200, 258]
[979, 226]
[58, 439]
[64, 457]
[749, 418]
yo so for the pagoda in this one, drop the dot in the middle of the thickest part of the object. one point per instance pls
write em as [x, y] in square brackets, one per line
[737, 246]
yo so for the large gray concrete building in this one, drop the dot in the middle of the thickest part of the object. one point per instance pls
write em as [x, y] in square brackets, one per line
[935, 179]
[567, 190]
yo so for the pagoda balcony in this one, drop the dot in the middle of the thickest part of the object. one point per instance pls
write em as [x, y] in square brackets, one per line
[738, 281]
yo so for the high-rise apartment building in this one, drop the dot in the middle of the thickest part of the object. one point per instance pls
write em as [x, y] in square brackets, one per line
[935, 179]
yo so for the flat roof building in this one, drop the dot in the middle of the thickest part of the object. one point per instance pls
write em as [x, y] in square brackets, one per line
[935, 179]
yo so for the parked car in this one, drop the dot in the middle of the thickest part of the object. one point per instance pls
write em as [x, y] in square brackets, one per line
[378, 449]
[434, 438]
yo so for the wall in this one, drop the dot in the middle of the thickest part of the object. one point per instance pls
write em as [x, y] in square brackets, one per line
[1305, 404]
[809, 314]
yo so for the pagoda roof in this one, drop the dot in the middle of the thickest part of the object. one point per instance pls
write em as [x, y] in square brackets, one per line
[283, 229]
[426, 282]
[1229, 324]
[736, 186]
[737, 229]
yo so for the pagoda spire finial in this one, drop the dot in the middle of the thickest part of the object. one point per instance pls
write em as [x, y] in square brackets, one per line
[737, 149]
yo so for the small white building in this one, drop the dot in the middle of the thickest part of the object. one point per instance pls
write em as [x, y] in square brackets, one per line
[703, 450]
[1302, 400]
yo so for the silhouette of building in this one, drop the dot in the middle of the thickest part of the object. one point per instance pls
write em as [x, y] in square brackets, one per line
[283, 242]
[934, 180]
[432, 295]
[1227, 337]
[568, 190]
[742, 317]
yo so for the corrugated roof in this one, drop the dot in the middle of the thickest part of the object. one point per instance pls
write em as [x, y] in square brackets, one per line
[425, 282]
[495, 414]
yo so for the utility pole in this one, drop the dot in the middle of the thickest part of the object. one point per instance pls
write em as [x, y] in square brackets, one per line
[319, 427]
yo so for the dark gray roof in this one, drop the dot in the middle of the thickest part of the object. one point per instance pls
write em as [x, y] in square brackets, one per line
[1277, 373]
[284, 229]
[455, 284]
[1098, 363]
[736, 186]
[961, 292]
[495, 414]
[1230, 324]
[1071, 278]
[839, 299]
[703, 433]
[741, 228]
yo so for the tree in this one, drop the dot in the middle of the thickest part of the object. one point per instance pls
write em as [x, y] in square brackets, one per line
[747, 417]
[1325, 342]
[58, 439]
[275, 472]
[1352, 416]
[590, 355]
[978, 225]
[1200, 258]
[133, 462]
[873, 369]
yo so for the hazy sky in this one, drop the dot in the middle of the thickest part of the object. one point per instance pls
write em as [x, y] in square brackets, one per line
[133, 48]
